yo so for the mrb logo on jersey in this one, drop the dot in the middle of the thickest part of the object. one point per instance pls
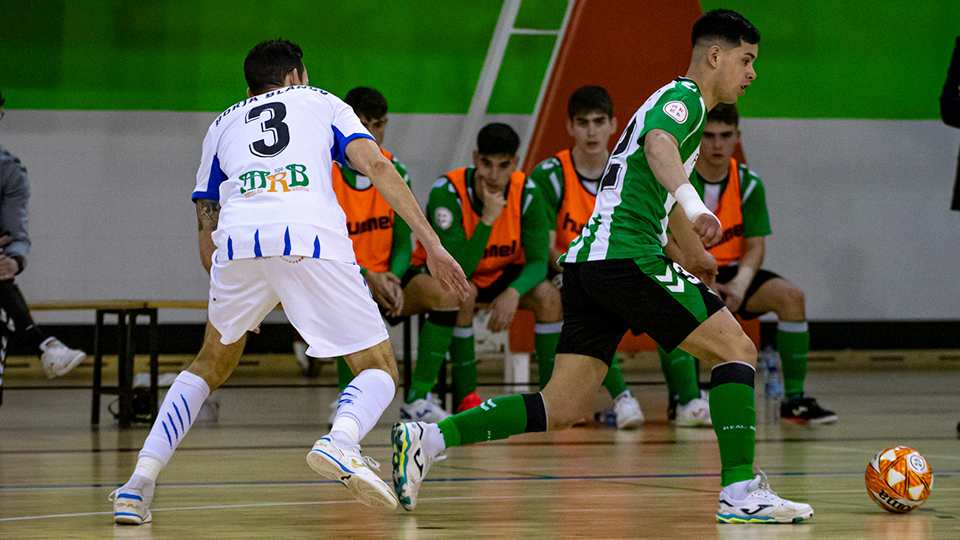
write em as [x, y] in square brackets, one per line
[290, 178]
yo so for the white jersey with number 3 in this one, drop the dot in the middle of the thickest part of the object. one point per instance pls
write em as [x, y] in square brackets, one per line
[268, 161]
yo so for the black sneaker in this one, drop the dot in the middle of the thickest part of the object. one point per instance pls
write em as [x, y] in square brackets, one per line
[805, 409]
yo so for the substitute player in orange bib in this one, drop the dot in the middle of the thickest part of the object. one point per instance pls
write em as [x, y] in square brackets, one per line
[490, 216]
[736, 195]
[382, 244]
[568, 184]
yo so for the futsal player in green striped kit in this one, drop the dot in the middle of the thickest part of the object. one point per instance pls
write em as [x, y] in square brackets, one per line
[617, 278]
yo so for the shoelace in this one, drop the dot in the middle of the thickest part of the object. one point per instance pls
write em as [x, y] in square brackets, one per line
[371, 463]
[113, 495]
[764, 486]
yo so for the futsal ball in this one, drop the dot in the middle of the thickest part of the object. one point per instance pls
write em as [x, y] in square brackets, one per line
[899, 479]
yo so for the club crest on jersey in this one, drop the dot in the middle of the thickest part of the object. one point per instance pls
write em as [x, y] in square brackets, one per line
[282, 180]
[443, 217]
[676, 110]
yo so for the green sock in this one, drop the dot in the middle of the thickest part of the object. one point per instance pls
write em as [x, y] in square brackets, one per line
[344, 375]
[463, 364]
[495, 419]
[545, 339]
[734, 420]
[680, 370]
[614, 382]
[793, 344]
[434, 342]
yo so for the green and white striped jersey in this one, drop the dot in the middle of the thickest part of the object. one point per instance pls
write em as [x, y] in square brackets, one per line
[629, 220]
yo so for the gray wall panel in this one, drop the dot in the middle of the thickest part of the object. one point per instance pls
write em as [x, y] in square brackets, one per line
[859, 209]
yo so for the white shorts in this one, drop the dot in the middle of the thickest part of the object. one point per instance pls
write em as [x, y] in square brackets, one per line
[328, 302]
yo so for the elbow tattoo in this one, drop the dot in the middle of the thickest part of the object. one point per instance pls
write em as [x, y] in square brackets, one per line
[208, 214]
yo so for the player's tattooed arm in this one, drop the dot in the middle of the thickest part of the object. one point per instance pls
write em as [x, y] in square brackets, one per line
[208, 217]
[208, 214]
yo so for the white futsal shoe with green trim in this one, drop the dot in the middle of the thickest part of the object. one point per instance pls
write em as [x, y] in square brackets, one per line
[761, 505]
[410, 462]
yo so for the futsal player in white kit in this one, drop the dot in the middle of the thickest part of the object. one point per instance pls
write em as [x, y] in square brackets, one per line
[271, 231]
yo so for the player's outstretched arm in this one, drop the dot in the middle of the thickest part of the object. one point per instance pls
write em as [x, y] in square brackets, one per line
[208, 216]
[365, 156]
[663, 156]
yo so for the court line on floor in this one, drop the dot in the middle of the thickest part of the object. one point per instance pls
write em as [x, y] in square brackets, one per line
[492, 443]
[351, 501]
[861, 451]
[452, 480]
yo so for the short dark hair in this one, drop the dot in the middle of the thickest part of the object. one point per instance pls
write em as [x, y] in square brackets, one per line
[367, 101]
[588, 99]
[268, 63]
[726, 25]
[726, 113]
[498, 139]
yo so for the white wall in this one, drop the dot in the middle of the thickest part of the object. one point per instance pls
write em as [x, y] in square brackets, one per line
[859, 209]
[860, 212]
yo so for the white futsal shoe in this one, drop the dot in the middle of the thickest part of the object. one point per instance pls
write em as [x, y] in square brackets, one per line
[410, 462]
[761, 505]
[131, 506]
[58, 359]
[428, 410]
[347, 466]
[627, 410]
[696, 413]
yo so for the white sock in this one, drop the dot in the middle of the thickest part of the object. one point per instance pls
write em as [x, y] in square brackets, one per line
[147, 467]
[361, 404]
[738, 490]
[46, 343]
[625, 395]
[177, 413]
[432, 440]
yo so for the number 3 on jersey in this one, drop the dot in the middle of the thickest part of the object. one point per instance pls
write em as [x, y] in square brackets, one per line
[274, 124]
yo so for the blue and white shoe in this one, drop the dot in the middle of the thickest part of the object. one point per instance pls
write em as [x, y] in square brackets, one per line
[761, 505]
[131, 506]
[428, 409]
[410, 462]
[347, 466]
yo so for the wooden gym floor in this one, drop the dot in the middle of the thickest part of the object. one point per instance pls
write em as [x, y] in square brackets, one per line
[245, 476]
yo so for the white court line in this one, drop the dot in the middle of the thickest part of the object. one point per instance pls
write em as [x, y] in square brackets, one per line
[844, 449]
[464, 498]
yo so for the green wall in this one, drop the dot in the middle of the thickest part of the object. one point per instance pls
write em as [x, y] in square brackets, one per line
[883, 59]
[818, 59]
[424, 55]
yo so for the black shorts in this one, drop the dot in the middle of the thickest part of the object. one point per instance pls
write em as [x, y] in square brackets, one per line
[762, 276]
[486, 295]
[604, 299]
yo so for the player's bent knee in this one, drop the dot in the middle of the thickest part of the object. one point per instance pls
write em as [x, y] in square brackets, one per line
[546, 302]
[744, 351]
[795, 303]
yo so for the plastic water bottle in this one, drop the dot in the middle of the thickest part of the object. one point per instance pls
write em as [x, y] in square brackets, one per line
[772, 386]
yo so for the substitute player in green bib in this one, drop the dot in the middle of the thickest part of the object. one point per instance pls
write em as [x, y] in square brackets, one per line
[568, 184]
[736, 195]
[616, 278]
